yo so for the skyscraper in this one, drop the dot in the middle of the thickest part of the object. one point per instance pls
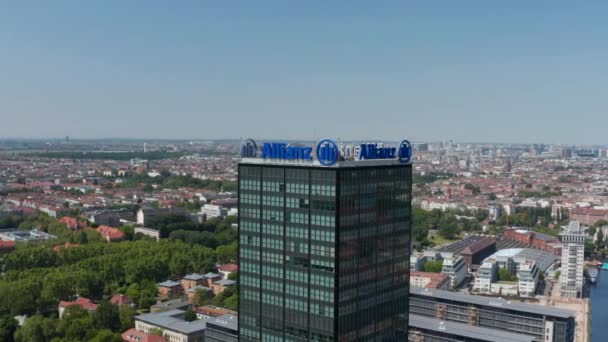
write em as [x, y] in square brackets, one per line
[573, 254]
[324, 243]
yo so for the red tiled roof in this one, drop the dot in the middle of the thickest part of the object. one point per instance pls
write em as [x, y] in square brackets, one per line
[110, 232]
[85, 303]
[214, 311]
[436, 279]
[230, 267]
[133, 335]
[120, 299]
[7, 244]
[71, 222]
[589, 211]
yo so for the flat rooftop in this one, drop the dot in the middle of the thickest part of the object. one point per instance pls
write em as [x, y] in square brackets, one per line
[464, 330]
[492, 302]
[543, 259]
[173, 320]
[24, 235]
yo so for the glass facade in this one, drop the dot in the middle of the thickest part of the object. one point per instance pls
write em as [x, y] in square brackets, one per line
[324, 252]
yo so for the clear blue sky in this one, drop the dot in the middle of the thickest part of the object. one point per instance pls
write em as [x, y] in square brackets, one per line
[506, 71]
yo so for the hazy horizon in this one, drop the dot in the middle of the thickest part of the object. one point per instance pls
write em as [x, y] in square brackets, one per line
[515, 72]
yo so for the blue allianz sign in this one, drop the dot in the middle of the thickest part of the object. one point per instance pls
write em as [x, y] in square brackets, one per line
[327, 152]
[372, 151]
[285, 151]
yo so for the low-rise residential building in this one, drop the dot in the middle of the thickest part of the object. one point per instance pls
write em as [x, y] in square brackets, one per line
[211, 278]
[110, 234]
[212, 211]
[169, 289]
[429, 280]
[149, 232]
[84, 303]
[193, 280]
[227, 269]
[221, 285]
[148, 216]
[588, 216]
[7, 246]
[133, 335]
[121, 299]
[173, 325]
[192, 291]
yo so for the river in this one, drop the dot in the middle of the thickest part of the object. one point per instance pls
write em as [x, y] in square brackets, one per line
[599, 308]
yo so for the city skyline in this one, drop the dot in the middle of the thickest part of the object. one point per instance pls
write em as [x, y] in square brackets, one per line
[505, 73]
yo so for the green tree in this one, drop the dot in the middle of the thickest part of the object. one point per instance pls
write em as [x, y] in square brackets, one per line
[76, 324]
[127, 320]
[505, 275]
[37, 329]
[433, 266]
[202, 297]
[227, 253]
[189, 315]
[133, 292]
[600, 239]
[107, 316]
[147, 299]
[449, 230]
[8, 326]
[106, 335]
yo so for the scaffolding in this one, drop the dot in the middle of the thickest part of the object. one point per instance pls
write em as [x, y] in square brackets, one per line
[441, 312]
[473, 316]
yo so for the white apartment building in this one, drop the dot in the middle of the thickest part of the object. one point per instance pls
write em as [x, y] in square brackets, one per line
[573, 254]
[486, 275]
[528, 278]
[526, 263]
[455, 267]
[212, 210]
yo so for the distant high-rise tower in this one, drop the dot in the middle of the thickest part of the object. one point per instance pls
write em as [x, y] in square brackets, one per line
[145, 147]
[67, 138]
[573, 253]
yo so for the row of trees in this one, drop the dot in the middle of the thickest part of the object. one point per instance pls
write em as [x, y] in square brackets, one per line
[77, 324]
[446, 222]
[37, 278]
[168, 180]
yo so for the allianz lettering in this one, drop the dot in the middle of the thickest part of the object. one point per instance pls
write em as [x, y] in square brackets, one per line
[284, 151]
[372, 151]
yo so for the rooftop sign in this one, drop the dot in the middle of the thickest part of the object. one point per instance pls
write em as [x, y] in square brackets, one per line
[327, 152]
